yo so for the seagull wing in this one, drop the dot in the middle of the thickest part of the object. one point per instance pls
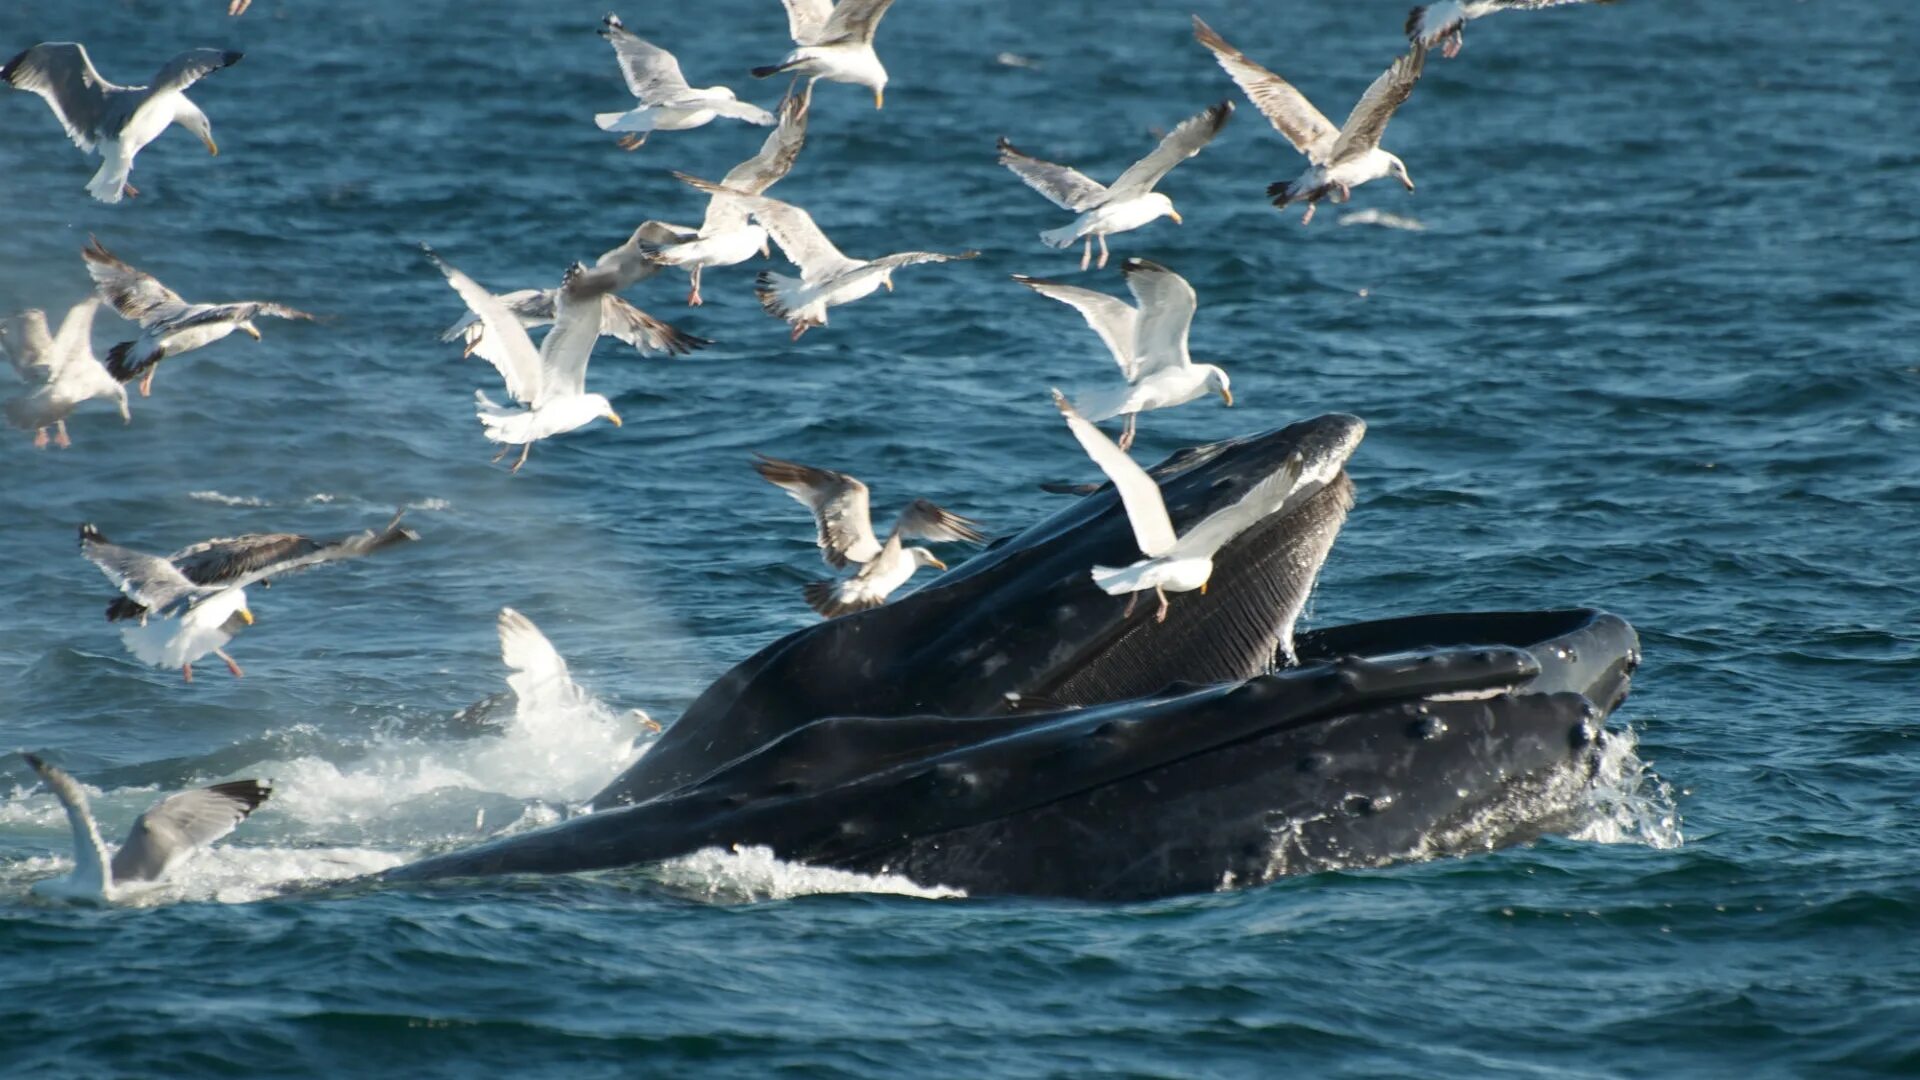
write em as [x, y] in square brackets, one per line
[806, 19]
[181, 824]
[1146, 510]
[1287, 109]
[148, 580]
[854, 20]
[1111, 317]
[644, 332]
[839, 505]
[190, 67]
[28, 346]
[540, 678]
[777, 153]
[858, 592]
[305, 556]
[578, 315]
[1184, 141]
[1166, 313]
[75, 340]
[1067, 188]
[923, 520]
[800, 240]
[136, 295]
[89, 852]
[1218, 529]
[227, 559]
[505, 342]
[63, 74]
[652, 74]
[1368, 120]
[913, 258]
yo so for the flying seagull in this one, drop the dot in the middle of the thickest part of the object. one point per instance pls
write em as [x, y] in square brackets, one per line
[170, 831]
[194, 601]
[667, 103]
[1339, 159]
[1130, 201]
[1149, 343]
[61, 369]
[834, 42]
[550, 382]
[115, 121]
[239, 7]
[1172, 563]
[845, 523]
[827, 277]
[728, 235]
[169, 325]
[620, 267]
[1444, 23]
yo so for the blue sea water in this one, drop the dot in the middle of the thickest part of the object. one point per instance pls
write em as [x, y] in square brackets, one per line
[1654, 350]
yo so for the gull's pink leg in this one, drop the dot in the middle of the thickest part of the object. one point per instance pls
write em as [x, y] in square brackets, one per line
[1161, 615]
[186, 672]
[1103, 251]
[1132, 599]
[504, 451]
[1311, 206]
[1086, 253]
[60, 435]
[40, 439]
[1126, 433]
[231, 666]
[146, 383]
[693, 297]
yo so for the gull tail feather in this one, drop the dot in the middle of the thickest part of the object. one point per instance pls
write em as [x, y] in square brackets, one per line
[1063, 237]
[123, 365]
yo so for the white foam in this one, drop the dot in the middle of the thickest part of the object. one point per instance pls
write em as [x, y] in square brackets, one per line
[745, 875]
[1627, 802]
[225, 499]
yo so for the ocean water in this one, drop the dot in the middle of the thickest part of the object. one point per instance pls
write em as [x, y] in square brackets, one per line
[1651, 349]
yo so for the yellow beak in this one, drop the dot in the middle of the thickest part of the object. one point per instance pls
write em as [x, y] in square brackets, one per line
[250, 332]
[880, 98]
[246, 616]
[766, 250]
[936, 563]
[1227, 396]
[1203, 588]
[1175, 215]
[888, 282]
[212, 148]
[614, 417]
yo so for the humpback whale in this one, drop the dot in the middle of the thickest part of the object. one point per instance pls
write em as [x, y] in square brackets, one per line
[1011, 729]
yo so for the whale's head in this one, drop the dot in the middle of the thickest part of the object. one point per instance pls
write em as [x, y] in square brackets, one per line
[1022, 625]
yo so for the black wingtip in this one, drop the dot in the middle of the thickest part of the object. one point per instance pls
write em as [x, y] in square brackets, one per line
[231, 57]
[34, 760]
[6, 73]
[766, 72]
[91, 532]
[118, 364]
[249, 793]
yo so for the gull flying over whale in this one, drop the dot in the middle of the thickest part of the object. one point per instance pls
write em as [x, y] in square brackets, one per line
[827, 278]
[550, 382]
[1130, 201]
[1149, 343]
[199, 592]
[1180, 563]
[728, 235]
[845, 522]
[169, 325]
[170, 831]
[1339, 158]
[834, 42]
[667, 103]
[61, 368]
[115, 121]
[1444, 24]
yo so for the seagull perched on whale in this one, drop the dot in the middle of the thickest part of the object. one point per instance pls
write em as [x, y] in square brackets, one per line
[728, 235]
[61, 368]
[550, 382]
[169, 325]
[667, 103]
[1339, 158]
[1180, 563]
[834, 42]
[1444, 24]
[170, 831]
[827, 278]
[115, 121]
[1149, 343]
[1130, 201]
[199, 593]
[845, 521]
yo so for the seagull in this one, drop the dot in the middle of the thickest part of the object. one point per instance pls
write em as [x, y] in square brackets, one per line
[840, 510]
[667, 103]
[239, 7]
[1177, 564]
[1444, 23]
[623, 266]
[115, 121]
[170, 831]
[1148, 342]
[169, 325]
[62, 370]
[199, 592]
[551, 381]
[1339, 159]
[827, 277]
[727, 236]
[540, 681]
[1131, 201]
[835, 43]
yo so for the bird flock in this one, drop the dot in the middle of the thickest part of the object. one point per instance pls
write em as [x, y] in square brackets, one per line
[182, 607]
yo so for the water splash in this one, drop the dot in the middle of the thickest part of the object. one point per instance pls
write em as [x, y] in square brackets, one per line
[745, 875]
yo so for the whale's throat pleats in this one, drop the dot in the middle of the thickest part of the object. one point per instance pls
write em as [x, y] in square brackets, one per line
[1259, 586]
